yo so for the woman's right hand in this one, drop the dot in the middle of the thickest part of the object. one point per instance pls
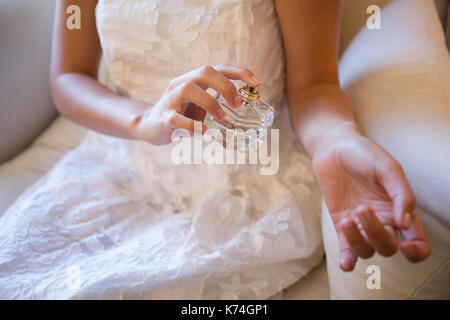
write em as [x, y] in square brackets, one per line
[186, 100]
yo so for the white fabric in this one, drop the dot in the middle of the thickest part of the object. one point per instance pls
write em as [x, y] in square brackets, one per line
[136, 226]
[398, 79]
[62, 136]
[314, 286]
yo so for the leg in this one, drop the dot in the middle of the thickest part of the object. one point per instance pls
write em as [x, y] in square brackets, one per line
[398, 79]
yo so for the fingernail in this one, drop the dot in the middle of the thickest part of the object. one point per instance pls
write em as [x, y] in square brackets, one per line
[256, 79]
[237, 101]
[345, 264]
[407, 221]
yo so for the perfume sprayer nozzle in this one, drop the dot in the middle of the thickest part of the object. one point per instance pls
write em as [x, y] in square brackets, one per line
[249, 92]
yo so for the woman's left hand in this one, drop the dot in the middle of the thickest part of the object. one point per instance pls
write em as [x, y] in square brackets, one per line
[368, 197]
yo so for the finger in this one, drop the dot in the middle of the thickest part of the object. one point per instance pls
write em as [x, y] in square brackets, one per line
[238, 73]
[415, 246]
[208, 77]
[391, 176]
[195, 112]
[178, 121]
[219, 82]
[347, 256]
[193, 93]
[356, 240]
[382, 240]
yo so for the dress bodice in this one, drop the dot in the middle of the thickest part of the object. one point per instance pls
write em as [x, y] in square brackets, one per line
[147, 43]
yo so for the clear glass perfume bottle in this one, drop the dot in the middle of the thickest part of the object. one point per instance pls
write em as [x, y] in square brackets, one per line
[250, 121]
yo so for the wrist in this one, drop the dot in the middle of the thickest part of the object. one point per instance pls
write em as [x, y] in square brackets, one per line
[322, 114]
[331, 135]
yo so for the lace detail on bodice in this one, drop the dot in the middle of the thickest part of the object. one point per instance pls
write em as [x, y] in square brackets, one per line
[148, 43]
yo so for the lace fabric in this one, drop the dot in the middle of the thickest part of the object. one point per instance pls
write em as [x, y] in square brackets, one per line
[148, 43]
[117, 219]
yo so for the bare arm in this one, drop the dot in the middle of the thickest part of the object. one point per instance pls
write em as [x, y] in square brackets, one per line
[76, 92]
[365, 189]
[311, 39]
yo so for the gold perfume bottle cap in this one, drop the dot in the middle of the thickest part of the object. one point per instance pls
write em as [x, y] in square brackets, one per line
[249, 92]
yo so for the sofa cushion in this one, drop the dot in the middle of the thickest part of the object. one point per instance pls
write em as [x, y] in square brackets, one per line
[26, 168]
[25, 101]
[355, 16]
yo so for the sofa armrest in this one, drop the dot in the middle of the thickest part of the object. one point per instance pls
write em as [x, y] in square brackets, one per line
[26, 106]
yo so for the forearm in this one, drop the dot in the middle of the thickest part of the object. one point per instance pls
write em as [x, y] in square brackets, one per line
[85, 101]
[318, 110]
[76, 92]
[311, 41]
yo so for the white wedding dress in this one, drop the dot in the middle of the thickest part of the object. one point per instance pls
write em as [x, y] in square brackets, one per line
[117, 219]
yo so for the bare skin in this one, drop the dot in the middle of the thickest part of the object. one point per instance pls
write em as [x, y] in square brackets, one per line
[365, 189]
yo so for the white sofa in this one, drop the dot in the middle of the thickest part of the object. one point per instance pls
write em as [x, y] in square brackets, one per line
[26, 108]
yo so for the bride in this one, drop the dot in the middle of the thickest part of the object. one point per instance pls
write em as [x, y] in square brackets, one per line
[128, 223]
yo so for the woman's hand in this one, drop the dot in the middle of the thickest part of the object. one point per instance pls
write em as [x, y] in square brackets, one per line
[368, 196]
[80, 97]
[186, 101]
[364, 188]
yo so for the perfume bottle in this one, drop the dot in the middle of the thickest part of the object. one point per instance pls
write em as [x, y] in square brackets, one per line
[249, 122]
